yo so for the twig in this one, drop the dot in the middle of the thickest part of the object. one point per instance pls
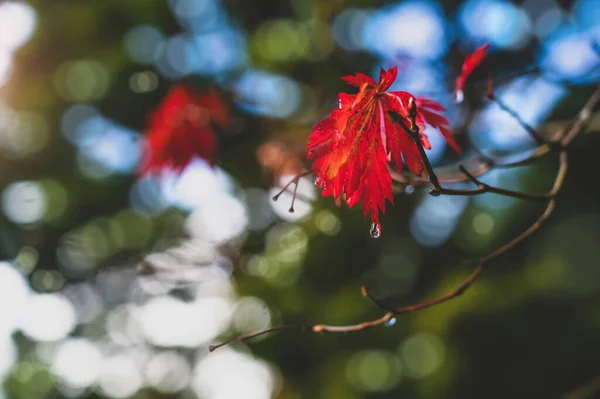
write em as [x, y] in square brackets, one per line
[253, 334]
[582, 119]
[295, 181]
[432, 302]
[532, 132]
[451, 173]
[486, 188]
[482, 263]
[498, 80]
[438, 189]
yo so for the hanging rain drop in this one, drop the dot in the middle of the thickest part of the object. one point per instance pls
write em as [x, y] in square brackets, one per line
[390, 322]
[458, 96]
[375, 230]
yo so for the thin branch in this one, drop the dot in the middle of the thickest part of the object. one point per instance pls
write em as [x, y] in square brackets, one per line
[451, 173]
[295, 181]
[532, 157]
[317, 328]
[438, 189]
[558, 182]
[354, 327]
[253, 334]
[532, 132]
[482, 263]
[432, 302]
[582, 119]
[510, 76]
[413, 132]
[520, 238]
[486, 188]
[391, 312]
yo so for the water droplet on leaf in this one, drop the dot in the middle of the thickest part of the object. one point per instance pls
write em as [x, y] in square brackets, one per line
[390, 322]
[458, 96]
[375, 230]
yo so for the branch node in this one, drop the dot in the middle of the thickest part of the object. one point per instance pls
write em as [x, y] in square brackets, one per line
[295, 181]
[435, 192]
[473, 179]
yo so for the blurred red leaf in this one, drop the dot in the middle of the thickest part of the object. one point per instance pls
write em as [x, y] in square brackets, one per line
[351, 148]
[181, 129]
[472, 61]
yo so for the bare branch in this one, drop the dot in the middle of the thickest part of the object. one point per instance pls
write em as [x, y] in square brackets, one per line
[438, 189]
[530, 130]
[295, 181]
[582, 119]
[482, 263]
[244, 337]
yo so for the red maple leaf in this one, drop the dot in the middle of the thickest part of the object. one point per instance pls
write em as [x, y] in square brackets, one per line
[472, 61]
[180, 129]
[351, 148]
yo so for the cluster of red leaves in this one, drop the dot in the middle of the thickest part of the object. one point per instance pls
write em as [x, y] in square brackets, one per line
[351, 148]
[181, 129]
